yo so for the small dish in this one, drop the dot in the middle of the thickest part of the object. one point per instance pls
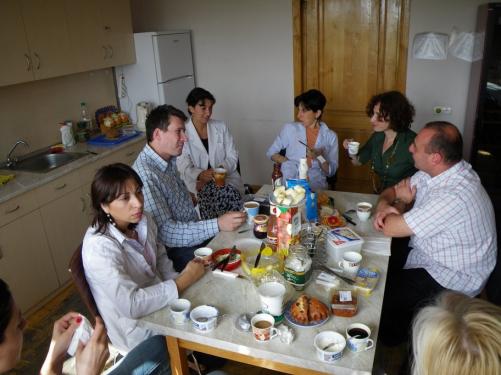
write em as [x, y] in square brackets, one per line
[204, 318]
[234, 261]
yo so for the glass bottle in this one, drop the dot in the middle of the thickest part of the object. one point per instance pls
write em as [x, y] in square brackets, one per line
[84, 117]
[297, 267]
[276, 176]
[272, 234]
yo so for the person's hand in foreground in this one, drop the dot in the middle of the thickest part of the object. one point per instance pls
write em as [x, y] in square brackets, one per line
[231, 221]
[91, 358]
[63, 331]
[193, 271]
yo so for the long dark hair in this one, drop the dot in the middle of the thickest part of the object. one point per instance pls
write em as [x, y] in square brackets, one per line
[108, 182]
[6, 308]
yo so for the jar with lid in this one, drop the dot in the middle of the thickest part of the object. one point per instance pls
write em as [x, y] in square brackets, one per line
[297, 267]
[260, 226]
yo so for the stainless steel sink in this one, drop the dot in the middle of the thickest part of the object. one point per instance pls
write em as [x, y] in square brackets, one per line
[45, 162]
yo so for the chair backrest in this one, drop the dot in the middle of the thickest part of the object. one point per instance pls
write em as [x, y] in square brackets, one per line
[78, 275]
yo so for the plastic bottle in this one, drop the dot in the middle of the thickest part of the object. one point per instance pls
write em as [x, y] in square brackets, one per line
[276, 176]
[67, 135]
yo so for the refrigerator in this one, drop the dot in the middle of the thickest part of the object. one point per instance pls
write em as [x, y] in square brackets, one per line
[163, 72]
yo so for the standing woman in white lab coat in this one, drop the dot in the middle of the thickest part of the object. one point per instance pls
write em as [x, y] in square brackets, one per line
[210, 145]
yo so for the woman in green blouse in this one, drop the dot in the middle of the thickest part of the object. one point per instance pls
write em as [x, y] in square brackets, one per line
[387, 149]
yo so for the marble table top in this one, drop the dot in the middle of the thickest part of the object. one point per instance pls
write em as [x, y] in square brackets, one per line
[237, 296]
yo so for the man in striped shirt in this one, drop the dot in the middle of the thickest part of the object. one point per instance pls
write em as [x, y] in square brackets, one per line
[165, 194]
[450, 220]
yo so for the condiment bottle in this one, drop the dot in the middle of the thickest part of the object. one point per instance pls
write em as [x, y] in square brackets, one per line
[297, 268]
[260, 226]
[276, 176]
[272, 234]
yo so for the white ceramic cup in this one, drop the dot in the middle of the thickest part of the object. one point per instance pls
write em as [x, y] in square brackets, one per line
[329, 345]
[350, 263]
[364, 210]
[353, 148]
[272, 297]
[204, 318]
[358, 337]
[179, 310]
[251, 208]
[263, 327]
[205, 254]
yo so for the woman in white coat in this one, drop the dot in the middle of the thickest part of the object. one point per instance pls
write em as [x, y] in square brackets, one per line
[210, 145]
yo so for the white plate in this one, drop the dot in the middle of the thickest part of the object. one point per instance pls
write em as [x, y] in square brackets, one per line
[294, 322]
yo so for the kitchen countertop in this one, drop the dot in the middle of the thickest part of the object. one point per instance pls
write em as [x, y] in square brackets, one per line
[26, 181]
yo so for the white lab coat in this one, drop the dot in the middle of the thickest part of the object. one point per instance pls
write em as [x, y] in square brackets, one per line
[194, 158]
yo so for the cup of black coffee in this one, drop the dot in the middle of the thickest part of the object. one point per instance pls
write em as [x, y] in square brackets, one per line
[358, 337]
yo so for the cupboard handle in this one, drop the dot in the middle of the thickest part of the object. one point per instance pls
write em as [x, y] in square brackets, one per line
[111, 50]
[13, 209]
[83, 204]
[28, 62]
[107, 28]
[105, 52]
[38, 60]
[60, 187]
[130, 153]
[1, 253]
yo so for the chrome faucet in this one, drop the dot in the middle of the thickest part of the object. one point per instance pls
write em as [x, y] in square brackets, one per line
[11, 161]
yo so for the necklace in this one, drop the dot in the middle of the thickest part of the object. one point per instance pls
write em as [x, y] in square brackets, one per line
[379, 185]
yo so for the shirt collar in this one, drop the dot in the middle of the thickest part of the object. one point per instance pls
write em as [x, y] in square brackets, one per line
[141, 230]
[157, 160]
[445, 175]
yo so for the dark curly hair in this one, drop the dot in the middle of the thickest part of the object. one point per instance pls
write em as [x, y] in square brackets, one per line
[393, 107]
[6, 308]
[106, 187]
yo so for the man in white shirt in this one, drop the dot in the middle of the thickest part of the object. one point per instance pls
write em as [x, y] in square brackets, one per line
[450, 220]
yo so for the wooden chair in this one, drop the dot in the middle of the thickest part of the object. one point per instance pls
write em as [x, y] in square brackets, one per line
[78, 275]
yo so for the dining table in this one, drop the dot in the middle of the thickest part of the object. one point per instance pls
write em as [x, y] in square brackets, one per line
[236, 296]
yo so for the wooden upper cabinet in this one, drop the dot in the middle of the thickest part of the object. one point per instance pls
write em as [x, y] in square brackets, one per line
[48, 39]
[350, 50]
[86, 34]
[101, 33]
[116, 23]
[15, 63]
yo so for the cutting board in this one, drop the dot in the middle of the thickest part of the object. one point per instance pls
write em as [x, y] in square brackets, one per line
[101, 140]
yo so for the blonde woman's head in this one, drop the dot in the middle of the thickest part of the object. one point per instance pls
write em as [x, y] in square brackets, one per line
[457, 335]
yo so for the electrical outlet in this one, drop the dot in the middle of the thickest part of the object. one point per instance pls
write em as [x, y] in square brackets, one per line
[442, 110]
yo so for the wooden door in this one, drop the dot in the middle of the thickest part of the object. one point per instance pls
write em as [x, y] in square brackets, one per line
[350, 50]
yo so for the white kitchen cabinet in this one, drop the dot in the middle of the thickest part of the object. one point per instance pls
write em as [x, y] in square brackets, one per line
[62, 208]
[48, 38]
[15, 64]
[25, 260]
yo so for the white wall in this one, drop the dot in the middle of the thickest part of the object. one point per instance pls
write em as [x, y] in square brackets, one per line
[445, 83]
[243, 55]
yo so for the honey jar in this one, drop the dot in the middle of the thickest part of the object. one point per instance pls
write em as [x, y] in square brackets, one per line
[260, 226]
